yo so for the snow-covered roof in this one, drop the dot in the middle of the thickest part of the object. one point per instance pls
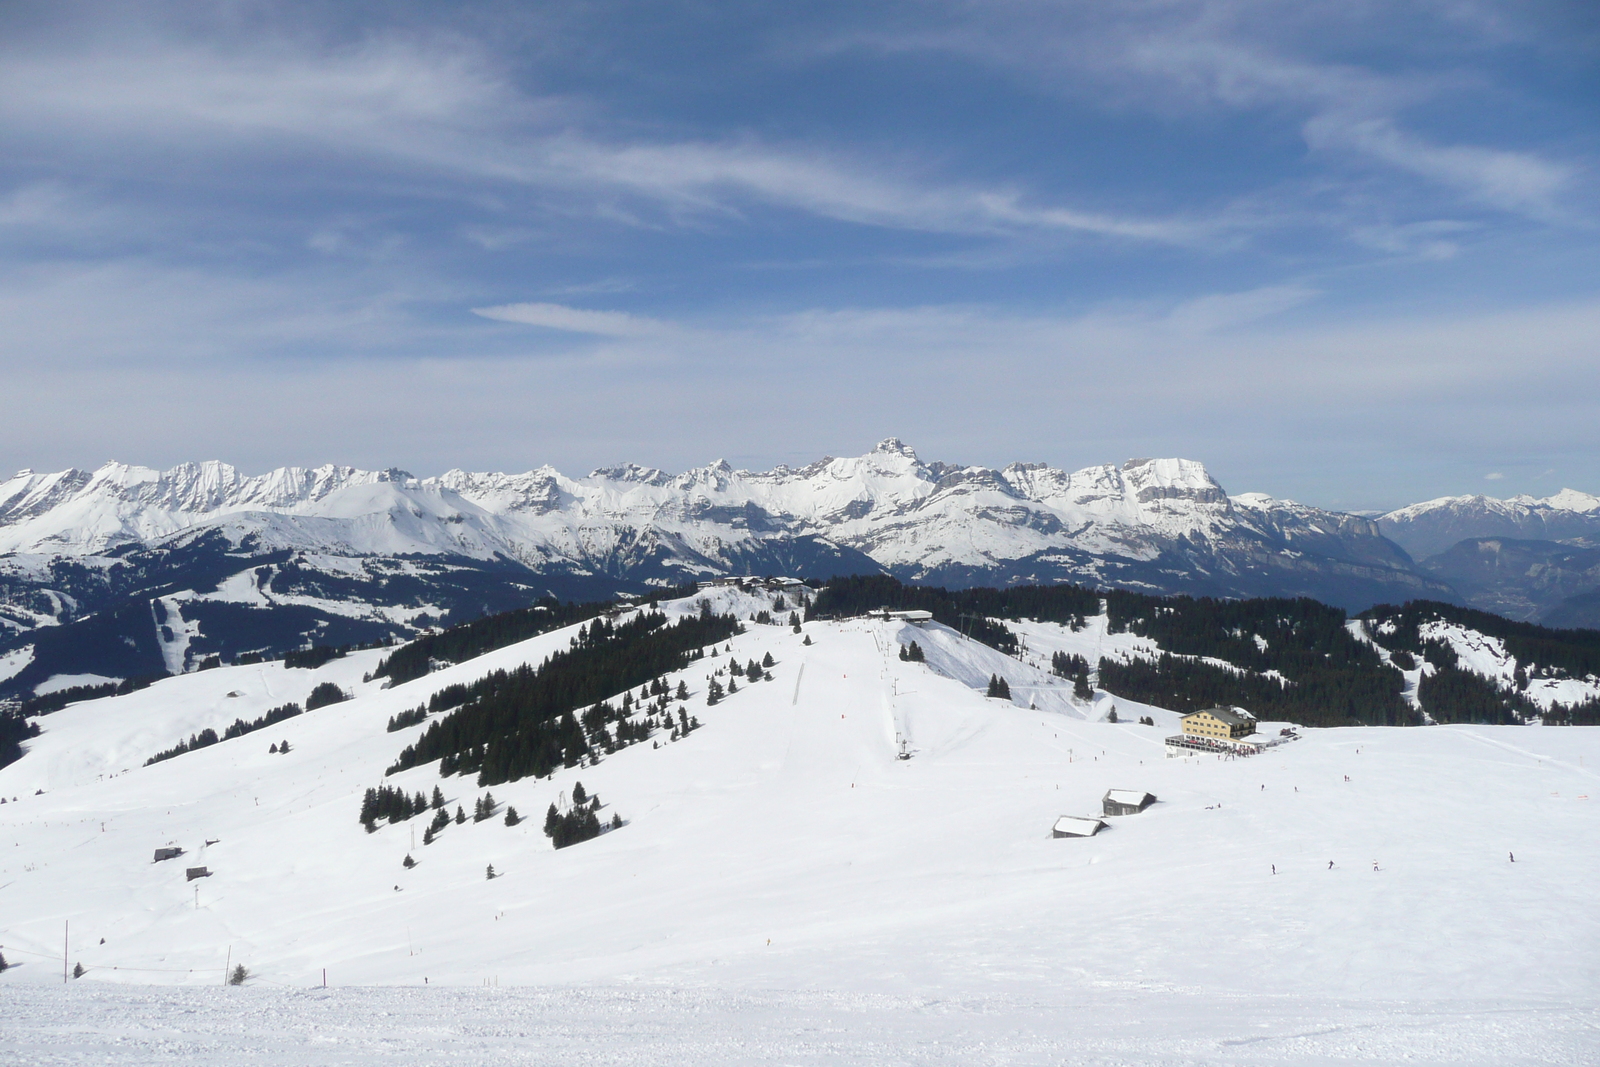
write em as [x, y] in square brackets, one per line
[1128, 796]
[1078, 825]
[1231, 716]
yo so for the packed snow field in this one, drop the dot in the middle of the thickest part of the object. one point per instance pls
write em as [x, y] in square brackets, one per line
[785, 889]
[709, 1027]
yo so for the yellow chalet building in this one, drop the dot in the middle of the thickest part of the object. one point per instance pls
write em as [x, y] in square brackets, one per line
[1221, 724]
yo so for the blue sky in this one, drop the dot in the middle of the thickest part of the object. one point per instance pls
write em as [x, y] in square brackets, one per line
[1341, 252]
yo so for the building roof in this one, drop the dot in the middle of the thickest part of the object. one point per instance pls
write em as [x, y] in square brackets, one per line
[912, 615]
[1077, 825]
[1231, 716]
[1128, 796]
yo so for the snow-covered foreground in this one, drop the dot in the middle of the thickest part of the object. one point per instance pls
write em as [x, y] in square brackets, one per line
[711, 1027]
[787, 890]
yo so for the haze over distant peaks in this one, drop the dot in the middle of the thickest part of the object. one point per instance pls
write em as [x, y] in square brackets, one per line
[1433, 526]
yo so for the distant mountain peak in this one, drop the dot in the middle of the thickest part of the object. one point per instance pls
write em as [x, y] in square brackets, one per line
[1433, 526]
[1573, 500]
[895, 446]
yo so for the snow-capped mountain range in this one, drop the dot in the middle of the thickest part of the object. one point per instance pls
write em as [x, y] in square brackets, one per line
[169, 567]
[930, 521]
[1433, 526]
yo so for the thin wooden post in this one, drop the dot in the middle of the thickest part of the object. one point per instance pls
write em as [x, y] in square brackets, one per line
[225, 965]
[66, 931]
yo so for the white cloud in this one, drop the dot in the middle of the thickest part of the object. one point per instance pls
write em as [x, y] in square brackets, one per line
[1174, 58]
[1511, 181]
[1494, 476]
[318, 368]
[1220, 311]
[576, 320]
[448, 110]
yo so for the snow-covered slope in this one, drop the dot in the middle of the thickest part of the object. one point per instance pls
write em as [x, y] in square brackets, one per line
[783, 845]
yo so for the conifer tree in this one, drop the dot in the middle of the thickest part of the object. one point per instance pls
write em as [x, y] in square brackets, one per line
[807, 641]
[438, 797]
[427, 836]
[552, 820]
[3, 963]
[489, 872]
[461, 816]
[753, 672]
[579, 794]
[512, 818]
[713, 692]
[683, 690]
[408, 862]
[273, 748]
[77, 970]
[794, 622]
[998, 688]
[239, 975]
[733, 686]
[1080, 684]
[767, 660]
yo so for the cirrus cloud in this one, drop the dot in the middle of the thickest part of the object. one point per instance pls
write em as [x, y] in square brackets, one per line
[576, 320]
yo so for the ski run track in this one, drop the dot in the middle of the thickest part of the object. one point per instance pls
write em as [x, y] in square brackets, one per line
[786, 890]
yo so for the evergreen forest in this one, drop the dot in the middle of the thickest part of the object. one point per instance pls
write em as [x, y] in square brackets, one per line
[529, 721]
[1282, 659]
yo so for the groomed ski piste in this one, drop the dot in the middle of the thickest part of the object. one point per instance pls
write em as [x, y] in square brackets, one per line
[787, 889]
